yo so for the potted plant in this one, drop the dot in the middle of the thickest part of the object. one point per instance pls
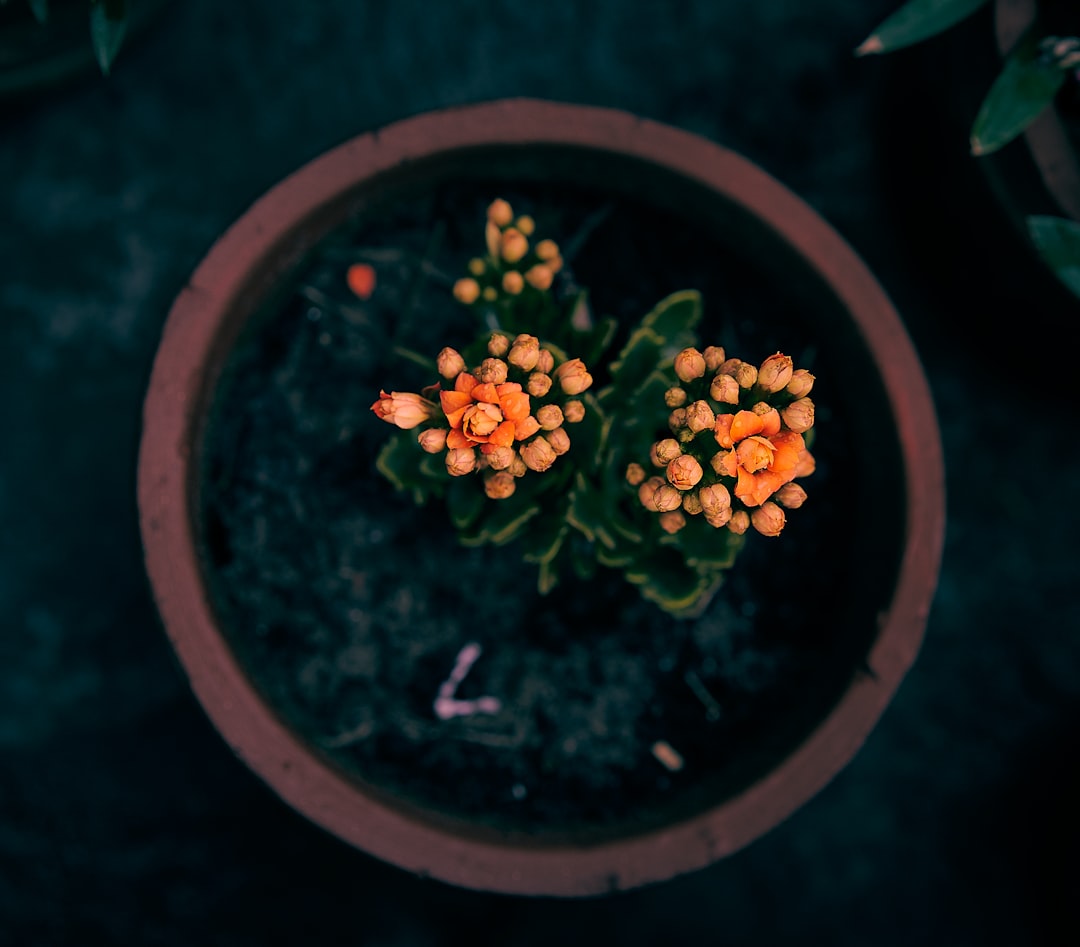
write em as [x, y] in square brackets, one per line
[484, 686]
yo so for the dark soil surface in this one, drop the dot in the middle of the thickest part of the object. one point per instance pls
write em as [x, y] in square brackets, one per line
[349, 604]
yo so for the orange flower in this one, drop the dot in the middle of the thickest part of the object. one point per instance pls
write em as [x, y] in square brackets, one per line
[760, 455]
[484, 414]
[406, 409]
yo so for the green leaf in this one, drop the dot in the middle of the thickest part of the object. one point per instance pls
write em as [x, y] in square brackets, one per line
[108, 23]
[675, 317]
[705, 547]
[464, 501]
[40, 9]
[1026, 86]
[915, 21]
[672, 585]
[637, 360]
[1058, 242]
[501, 522]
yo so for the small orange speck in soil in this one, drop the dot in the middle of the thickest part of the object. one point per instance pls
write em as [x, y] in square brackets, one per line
[361, 279]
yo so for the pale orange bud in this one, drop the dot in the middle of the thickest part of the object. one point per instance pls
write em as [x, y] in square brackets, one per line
[672, 521]
[700, 417]
[493, 238]
[539, 384]
[675, 397]
[539, 277]
[573, 377]
[514, 245]
[492, 371]
[513, 282]
[573, 411]
[755, 453]
[806, 464]
[768, 519]
[691, 504]
[689, 364]
[746, 375]
[500, 213]
[449, 363]
[666, 498]
[664, 452]
[466, 290]
[555, 264]
[739, 522]
[725, 389]
[677, 420]
[714, 357]
[517, 466]
[559, 440]
[549, 417]
[404, 409]
[684, 472]
[725, 463]
[546, 362]
[801, 383]
[433, 439]
[525, 224]
[635, 474]
[501, 458]
[770, 417]
[547, 249]
[716, 520]
[799, 415]
[477, 266]
[538, 454]
[647, 491]
[490, 294]
[524, 353]
[498, 344]
[685, 436]
[460, 461]
[499, 485]
[714, 499]
[729, 366]
[790, 495]
[775, 373]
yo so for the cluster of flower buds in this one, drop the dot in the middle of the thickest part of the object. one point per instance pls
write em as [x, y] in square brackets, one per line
[513, 265]
[736, 443]
[503, 417]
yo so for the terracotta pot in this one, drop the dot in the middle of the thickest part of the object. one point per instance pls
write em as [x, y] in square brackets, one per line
[624, 155]
[1047, 139]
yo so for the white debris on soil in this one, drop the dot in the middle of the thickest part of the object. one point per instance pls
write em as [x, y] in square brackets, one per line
[447, 706]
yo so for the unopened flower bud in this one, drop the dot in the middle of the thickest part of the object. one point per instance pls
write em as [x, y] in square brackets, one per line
[714, 499]
[573, 411]
[691, 504]
[546, 362]
[769, 415]
[517, 466]
[493, 238]
[729, 366]
[684, 472]
[799, 415]
[672, 521]
[573, 377]
[539, 277]
[666, 498]
[725, 389]
[477, 266]
[689, 364]
[466, 290]
[685, 436]
[714, 357]
[801, 383]
[514, 245]
[635, 474]
[547, 249]
[539, 384]
[405, 409]
[499, 485]
[559, 440]
[549, 417]
[490, 294]
[647, 491]
[700, 417]
[498, 345]
[716, 520]
[805, 465]
[501, 458]
[775, 373]
[492, 371]
[525, 224]
[538, 454]
[768, 519]
[746, 375]
[739, 522]
[500, 213]
[677, 420]
[664, 452]
[675, 397]
[790, 495]
[513, 282]
[433, 440]
[460, 461]
[449, 363]
[525, 352]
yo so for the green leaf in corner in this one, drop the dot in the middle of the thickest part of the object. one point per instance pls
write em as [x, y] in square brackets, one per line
[108, 23]
[40, 9]
[1027, 85]
[1058, 243]
[915, 21]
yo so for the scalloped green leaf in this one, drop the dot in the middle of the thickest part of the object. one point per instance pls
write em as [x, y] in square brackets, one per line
[675, 317]
[465, 501]
[1058, 243]
[639, 357]
[705, 547]
[1026, 86]
[915, 21]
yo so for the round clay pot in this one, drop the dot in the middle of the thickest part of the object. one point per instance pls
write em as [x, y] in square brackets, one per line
[1055, 157]
[624, 155]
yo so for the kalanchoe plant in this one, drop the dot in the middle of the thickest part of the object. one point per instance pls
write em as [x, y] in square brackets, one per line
[659, 473]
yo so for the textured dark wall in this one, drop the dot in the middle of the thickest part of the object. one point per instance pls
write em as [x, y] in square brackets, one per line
[124, 819]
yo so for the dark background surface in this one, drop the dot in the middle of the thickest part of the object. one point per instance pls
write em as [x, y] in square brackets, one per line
[124, 818]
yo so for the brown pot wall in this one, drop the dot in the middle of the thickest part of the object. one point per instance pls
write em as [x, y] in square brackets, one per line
[265, 243]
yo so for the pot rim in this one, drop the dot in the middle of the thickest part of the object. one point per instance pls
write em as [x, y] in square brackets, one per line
[172, 415]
